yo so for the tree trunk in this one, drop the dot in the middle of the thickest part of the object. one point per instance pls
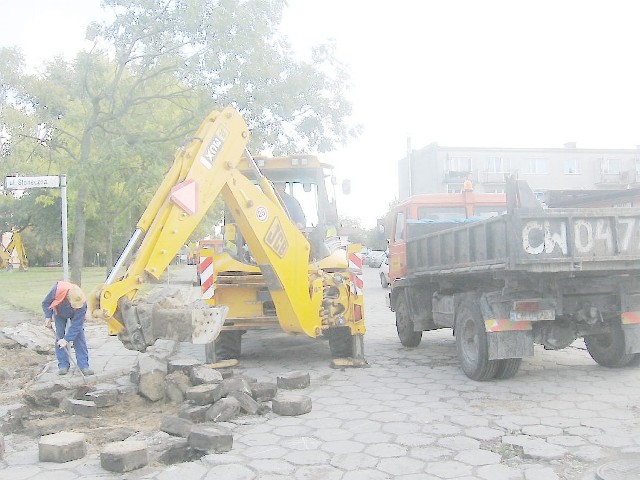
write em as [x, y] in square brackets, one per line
[80, 228]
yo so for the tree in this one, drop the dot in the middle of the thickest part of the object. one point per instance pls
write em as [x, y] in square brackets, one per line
[110, 118]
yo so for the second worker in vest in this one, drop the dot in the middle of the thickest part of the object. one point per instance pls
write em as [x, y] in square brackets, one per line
[66, 304]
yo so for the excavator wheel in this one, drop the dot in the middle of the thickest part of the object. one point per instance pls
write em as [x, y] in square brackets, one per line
[340, 342]
[228, 345]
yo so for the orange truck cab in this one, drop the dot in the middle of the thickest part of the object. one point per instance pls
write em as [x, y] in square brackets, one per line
[431, 212]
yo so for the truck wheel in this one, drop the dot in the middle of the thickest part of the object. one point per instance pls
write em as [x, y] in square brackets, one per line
[340, 342]
[607, 349]
[471, 343]
[507, 368]
[228, 345]
[406, 333]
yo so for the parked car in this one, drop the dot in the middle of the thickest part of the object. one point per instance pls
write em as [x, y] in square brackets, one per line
[376, 258]
[384, 273]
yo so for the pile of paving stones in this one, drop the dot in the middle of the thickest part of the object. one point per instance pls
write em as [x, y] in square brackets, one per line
[210, 400]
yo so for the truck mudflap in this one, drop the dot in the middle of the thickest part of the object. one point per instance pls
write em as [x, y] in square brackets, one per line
[510, 344]
[507, 339]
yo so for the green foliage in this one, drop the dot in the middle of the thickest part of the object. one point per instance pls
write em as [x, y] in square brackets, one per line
[112, 118]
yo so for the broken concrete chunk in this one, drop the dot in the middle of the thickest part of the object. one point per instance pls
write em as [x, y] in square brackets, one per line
[223, 410]
[235, 384]
[62, 447]
[152, 385]
[288, 404]
[247, 403]
[178, 426]
[103, 398]
[294, 380]
[263, 391]
[82, 408]
[210, 438]
[11, 417]
[124, 456]
[205, 394]
[35, 337]
[202, 374]
[197, 413]
[184, 365]
[177, 384]
[179, 453]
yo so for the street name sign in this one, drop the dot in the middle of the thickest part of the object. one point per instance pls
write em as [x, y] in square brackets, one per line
[22, 183]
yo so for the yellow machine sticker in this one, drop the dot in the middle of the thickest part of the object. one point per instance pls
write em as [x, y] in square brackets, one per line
[276, 238]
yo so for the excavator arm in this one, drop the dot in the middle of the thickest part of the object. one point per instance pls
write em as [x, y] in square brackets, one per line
[205, 168]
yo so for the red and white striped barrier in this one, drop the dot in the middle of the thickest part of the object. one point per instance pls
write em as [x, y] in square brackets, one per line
[355, 264]
[206, 277]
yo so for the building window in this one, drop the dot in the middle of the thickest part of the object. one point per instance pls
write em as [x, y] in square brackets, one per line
[494, 189]
[571, 166]
[610, 166]
[498, 165]
[537, 166]
[454, 187]
[459, 164]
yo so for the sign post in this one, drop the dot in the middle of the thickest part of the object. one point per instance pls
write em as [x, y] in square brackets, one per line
[48, 181]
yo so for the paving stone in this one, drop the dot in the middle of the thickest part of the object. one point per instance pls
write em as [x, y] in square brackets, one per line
[540, 473]
[179, 453]
[543, 450]
[152, 385]
[62, 447]
[263, 391]
[287, 404]
[223, 410]
[203, 374]
[235, 384]
[293, 380]
[124, 456]
[174, 425]
[2, 446]
[205, 394]
[210, 438]
[83, 408]
[247, 403]
[177, 384]
[478, 457]
[184, 365]
[103, 398]
[195, 413]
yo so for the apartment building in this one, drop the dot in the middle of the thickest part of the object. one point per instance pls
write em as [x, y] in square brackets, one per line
[435, 169]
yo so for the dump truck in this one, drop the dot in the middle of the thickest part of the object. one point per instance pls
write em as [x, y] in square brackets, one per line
[531, 275]
[305, 288]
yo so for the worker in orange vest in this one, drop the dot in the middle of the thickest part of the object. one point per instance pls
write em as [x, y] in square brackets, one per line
[66, 305]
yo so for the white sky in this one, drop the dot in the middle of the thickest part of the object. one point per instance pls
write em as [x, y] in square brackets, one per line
[458, 72]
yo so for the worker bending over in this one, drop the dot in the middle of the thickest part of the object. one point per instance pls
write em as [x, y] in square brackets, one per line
[67, 305]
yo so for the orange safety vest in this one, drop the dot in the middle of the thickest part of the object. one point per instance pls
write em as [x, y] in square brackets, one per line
[62, 288]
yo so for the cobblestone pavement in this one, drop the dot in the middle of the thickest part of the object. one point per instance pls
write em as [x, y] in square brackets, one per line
[412, 414]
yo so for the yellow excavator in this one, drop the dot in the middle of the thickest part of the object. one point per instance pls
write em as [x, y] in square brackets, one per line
[14, 252]
[275, 273]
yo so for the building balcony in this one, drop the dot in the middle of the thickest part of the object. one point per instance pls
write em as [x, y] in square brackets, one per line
[625, 177]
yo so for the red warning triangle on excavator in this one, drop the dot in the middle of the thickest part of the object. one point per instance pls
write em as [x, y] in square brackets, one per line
[185, 195]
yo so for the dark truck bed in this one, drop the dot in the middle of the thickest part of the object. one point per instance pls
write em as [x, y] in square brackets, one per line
[530, 240]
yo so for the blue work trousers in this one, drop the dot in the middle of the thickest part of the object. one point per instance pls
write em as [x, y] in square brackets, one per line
[79, 343]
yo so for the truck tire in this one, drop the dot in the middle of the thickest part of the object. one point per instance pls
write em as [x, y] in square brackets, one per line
[607, 349]
[404, 325]
[340, 342]
[228, 345]
[507, 368]
[471, 343]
